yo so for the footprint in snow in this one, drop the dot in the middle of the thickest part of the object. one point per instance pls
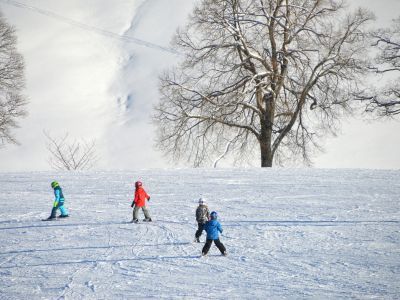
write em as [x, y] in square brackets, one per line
[90, 285]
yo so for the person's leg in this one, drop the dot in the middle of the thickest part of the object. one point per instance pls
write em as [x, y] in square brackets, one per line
[220, 246]
[53, 213]
[199, 231]
[64, 211]
[135, 213]
[146, 213]
[206, 247]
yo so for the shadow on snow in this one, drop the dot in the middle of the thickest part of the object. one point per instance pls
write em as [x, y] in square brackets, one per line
[92, 248]
[63, 223]
[92, 261]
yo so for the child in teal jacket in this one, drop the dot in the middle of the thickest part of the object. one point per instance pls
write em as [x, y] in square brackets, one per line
[58, 202]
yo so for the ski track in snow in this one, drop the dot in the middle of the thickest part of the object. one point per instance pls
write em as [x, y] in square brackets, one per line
[290, 233]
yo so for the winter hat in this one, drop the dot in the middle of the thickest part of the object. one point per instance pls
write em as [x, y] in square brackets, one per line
[213, 215]
[54, 184]
[202, 201]
[138, 184]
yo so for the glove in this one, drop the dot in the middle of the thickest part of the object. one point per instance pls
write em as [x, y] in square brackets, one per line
[133, 204]
[148, 199]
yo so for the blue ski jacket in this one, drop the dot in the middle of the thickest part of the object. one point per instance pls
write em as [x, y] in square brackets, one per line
[59, 197]
[212, 228]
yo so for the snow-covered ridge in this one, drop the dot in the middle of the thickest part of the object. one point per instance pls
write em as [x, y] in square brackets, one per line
[290, 233]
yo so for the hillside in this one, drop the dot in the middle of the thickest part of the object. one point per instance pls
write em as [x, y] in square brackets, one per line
[89, 73]
[290, 233]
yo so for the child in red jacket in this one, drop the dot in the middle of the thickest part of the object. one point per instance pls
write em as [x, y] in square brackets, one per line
[139, 202]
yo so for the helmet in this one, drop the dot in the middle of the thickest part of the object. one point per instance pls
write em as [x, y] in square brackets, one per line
[202, 201]
[54, 184]
[213, 215]
[138, 184]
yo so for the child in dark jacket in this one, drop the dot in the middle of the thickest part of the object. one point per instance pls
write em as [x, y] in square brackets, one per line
[202, 216]
[213, 227]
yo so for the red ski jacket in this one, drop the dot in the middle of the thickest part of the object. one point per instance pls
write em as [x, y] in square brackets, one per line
[140, 197]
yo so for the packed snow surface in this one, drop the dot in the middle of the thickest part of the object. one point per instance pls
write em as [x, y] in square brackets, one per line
[290, 233]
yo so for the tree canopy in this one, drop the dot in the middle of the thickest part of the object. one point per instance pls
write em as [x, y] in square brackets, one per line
[272, 77]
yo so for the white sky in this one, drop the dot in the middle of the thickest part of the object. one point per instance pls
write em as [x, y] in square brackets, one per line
[75, 77]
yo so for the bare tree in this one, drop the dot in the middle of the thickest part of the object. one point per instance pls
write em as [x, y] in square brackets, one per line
[385, 100]
[12, 102]
[271, 76]
[67, 154]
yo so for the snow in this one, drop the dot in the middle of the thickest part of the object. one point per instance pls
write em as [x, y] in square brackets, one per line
[290, 234]
[82, 80]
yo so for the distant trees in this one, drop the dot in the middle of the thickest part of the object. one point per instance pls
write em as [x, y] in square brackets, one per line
[12, 102]
[269, 76]
[71, 154]
[385, 100]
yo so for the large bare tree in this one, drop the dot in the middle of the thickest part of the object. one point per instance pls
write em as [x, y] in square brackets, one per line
[385, 99]
[271, 76]
[12, 101]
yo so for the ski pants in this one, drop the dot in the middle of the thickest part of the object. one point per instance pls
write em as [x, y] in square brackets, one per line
[136, 212]
[199, 230]
[217, 243]
[63, 210]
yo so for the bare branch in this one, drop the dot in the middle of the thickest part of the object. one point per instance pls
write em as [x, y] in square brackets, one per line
[271, 77]
[384, 100]
[71, 155]
[12, 102]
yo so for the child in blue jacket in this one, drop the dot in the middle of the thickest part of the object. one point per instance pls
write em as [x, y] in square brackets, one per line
[213, 227]
[58, 202]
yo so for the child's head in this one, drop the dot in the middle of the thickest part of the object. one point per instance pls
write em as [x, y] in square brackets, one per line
[138, 184]
[202, 201]
[54, 184]
[213, 215]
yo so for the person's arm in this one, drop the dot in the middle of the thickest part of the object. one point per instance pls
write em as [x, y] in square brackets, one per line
[219, 227]
[134, 199]
[57, 197]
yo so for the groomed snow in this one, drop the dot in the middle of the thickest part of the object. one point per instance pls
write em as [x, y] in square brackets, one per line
[290, 234]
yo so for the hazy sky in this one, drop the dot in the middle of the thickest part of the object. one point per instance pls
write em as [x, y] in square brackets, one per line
[96, 86]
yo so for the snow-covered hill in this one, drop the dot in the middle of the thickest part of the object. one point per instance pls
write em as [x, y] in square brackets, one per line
[83, 79]
[90, 74]
[290, 234]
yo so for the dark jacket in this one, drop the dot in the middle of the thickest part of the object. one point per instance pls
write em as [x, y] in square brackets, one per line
[202, 214]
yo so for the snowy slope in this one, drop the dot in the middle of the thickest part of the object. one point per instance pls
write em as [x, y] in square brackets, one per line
[83, 80]
[290, 234]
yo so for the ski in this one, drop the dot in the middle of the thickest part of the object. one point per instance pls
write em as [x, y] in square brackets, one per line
[50, 219]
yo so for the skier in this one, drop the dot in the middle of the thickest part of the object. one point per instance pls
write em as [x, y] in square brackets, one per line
[212, 228]
[58, 202]
[140, 202]
[202, 216]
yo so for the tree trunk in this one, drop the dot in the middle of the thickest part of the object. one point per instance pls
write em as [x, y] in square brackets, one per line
[266, 154]
[265, 138]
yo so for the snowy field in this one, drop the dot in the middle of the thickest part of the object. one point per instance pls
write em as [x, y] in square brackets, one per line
[290, 234]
